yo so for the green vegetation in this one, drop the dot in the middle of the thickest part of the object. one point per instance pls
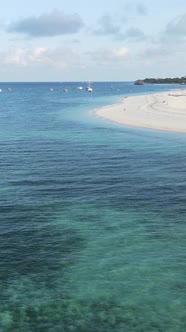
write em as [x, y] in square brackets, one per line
[168, 80]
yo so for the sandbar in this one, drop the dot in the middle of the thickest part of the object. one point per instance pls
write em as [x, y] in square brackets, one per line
[161, 111]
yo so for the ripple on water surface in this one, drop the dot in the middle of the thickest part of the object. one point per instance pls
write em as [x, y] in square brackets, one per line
[92, 220]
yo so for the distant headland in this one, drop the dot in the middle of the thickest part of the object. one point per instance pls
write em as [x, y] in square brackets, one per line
[167, 80]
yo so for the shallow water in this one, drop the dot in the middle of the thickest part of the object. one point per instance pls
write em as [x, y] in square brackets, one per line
[92, 215]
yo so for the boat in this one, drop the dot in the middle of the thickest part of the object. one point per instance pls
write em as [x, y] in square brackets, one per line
[89, 89]
[80, 88]
[65, 90]
[0, 90]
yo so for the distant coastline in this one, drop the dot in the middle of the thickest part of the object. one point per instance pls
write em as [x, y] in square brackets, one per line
[167, 80]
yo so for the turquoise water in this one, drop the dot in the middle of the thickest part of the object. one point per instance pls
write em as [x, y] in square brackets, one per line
[92, 215]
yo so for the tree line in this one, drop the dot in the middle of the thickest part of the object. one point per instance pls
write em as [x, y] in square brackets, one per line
[167, 80]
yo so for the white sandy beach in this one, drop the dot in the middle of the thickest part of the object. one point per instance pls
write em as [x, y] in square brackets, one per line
[161, 111]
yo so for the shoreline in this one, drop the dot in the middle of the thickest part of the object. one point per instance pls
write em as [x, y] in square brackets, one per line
[165, 111]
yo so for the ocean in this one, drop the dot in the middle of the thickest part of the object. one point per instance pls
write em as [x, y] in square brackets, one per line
[92, 229]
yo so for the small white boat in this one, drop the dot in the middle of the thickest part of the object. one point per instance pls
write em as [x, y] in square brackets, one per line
[89, 89]
[0, 90]
[65, 90]
[80, 88]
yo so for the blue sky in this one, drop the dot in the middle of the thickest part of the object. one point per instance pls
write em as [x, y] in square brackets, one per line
[92, 40]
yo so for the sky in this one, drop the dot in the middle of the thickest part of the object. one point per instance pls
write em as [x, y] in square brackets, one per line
[97, 40]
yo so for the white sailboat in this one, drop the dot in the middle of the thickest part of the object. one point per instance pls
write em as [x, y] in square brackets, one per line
[89, 89]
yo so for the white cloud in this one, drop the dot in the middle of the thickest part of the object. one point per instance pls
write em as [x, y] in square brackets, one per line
[141, 9]
[135, 7]
[119, 54]
[107, 26]
[61, 57]
[47, 25]
[27, 57]
[16, 56]
[177, 27]
[174, 34]
[169, 44]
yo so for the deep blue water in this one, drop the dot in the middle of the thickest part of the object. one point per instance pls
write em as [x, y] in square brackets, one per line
[92, 214]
